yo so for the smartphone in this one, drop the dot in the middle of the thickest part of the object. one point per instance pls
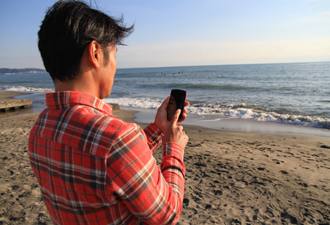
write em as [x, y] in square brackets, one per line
[177, 100]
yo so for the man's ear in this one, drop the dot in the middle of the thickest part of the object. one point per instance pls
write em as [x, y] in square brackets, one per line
[94, 53]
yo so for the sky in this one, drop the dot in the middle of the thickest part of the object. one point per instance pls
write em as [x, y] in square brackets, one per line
[186, 32]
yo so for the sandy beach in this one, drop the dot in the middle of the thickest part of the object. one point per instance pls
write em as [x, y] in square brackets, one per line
[232, 177]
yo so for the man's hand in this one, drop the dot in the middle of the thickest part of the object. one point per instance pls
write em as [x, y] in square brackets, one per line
[161, 117]
[175, 133]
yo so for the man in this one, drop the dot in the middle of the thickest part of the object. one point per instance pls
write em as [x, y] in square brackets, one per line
[91, 167]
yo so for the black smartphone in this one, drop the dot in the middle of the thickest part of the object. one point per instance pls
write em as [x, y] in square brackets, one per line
[177, 100]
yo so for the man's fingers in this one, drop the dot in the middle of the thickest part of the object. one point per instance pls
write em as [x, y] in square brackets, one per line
[180, 128]
[176, 117]
[184, 117]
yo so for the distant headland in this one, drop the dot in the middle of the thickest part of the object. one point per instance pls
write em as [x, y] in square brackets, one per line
[16, 71]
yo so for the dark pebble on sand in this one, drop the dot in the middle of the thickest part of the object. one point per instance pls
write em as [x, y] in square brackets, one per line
[325, 146]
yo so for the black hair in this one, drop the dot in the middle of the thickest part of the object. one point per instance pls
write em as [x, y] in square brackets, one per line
[68, 27]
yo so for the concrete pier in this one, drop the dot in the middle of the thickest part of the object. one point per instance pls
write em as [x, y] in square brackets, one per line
[13, 104]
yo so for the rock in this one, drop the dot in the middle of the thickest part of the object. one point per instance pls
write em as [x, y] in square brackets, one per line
[325, 146]
[115, 106]
[239, 185]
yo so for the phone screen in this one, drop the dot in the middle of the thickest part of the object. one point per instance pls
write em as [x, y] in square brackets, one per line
[177, 100]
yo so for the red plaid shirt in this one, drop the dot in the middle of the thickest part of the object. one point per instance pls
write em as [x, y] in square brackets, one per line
[95, 169]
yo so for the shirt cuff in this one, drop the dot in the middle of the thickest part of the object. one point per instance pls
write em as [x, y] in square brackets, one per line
[152, 128]
[154, 135]
[173, 149]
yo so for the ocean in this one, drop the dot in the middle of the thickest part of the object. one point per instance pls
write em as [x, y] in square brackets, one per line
[296, 94]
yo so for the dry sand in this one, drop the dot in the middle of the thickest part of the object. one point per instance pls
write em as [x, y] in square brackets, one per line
[232, 177]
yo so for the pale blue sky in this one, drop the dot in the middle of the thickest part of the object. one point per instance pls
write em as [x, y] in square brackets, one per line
[184, 33]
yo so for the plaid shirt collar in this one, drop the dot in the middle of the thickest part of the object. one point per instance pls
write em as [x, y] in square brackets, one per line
[65, 99]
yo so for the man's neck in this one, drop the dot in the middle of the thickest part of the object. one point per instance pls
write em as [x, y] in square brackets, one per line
[79, 84]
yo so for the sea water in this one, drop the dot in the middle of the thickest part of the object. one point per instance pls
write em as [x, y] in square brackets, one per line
[290, 93]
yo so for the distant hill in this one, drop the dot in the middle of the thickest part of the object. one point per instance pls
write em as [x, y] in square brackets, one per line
[26, 70]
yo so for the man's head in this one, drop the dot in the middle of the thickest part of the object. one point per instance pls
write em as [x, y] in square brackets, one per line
[68, 27]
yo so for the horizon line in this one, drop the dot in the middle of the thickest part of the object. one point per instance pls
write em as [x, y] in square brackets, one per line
[228, 64]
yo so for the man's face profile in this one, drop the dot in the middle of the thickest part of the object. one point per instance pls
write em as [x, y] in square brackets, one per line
[108, 71]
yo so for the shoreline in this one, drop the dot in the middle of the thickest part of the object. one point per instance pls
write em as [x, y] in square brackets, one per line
[227, 124]
[238, 125]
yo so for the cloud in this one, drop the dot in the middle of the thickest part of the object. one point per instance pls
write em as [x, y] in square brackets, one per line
[322, 17]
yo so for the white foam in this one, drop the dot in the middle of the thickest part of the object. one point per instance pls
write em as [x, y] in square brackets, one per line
[216, 110]
[146, 103]
[228, 111]
[26, 89]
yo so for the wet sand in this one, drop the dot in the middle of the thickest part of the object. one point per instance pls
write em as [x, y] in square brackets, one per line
[232, 177]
